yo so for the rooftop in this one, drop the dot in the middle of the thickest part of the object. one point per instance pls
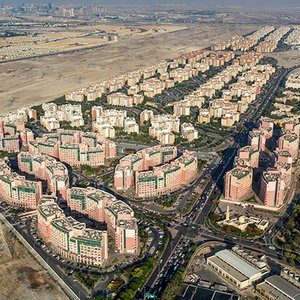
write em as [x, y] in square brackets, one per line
[280, 288]
[240, 172]
[271, 176]
[235, 262]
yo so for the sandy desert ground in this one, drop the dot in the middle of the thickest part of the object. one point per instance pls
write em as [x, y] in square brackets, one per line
[287, 58]
[28, 82]
[24, 278]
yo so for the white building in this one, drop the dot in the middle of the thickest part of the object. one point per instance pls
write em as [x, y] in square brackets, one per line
[130, 125]
[188, 131]
[234, 269]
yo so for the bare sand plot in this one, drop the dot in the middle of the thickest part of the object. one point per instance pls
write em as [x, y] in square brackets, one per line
[34, 81]
[21, 277]
[287, 58]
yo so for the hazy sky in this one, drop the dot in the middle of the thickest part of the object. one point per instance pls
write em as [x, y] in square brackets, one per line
[245, 3]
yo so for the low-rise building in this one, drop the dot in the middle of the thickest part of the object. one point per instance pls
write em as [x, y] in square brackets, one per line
[233, 268]
[162, 128]
[276, 287]
[293, 81]
[120, 99]
[54, 114]
[242, 222]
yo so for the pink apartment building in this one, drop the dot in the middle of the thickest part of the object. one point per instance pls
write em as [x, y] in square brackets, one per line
[257, 139]
[9, 144]
[238, 183]
[286, 171]
[146, 115]
[120, 220]
[126, 237]
[13, 136]
[267, 125]
[247, 156]
[150, 174]
[104, 207]
[46, 168]
[140, 161]
[167, 178]
[289, 142]
[75, 147]
[291, 126]
[89, 201]
[70, 238]
[48, 210]
[18, 191]
[283, 156]
[272, 188]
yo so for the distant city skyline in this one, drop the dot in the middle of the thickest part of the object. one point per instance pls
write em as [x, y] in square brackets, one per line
[204, 3]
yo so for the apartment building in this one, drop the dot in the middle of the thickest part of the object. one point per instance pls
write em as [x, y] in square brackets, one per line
[149, 173]
[16, 190]
[19, 117]
[188, 131]
[75, 147]
[238, 183]
[54, 114]
[46, 168]
[105, 121]
[272, 188]
[293, 81]
[120, 99]
[247, 156]
[130, 125]
[204, 116]
[146, 116]
[257, 139]
[70, 238]
[167, 178]
[142, 160]
[162, 127]
[289, 142]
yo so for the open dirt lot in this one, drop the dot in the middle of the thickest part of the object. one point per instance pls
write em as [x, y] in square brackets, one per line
[21, 277]
[34, 81]
[287, 58]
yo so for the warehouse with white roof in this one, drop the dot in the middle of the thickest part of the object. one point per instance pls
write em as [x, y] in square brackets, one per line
[233, 268]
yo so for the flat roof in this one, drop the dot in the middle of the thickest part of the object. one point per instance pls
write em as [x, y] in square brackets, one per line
[284, 287]
[237, 263]
[227, 268]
